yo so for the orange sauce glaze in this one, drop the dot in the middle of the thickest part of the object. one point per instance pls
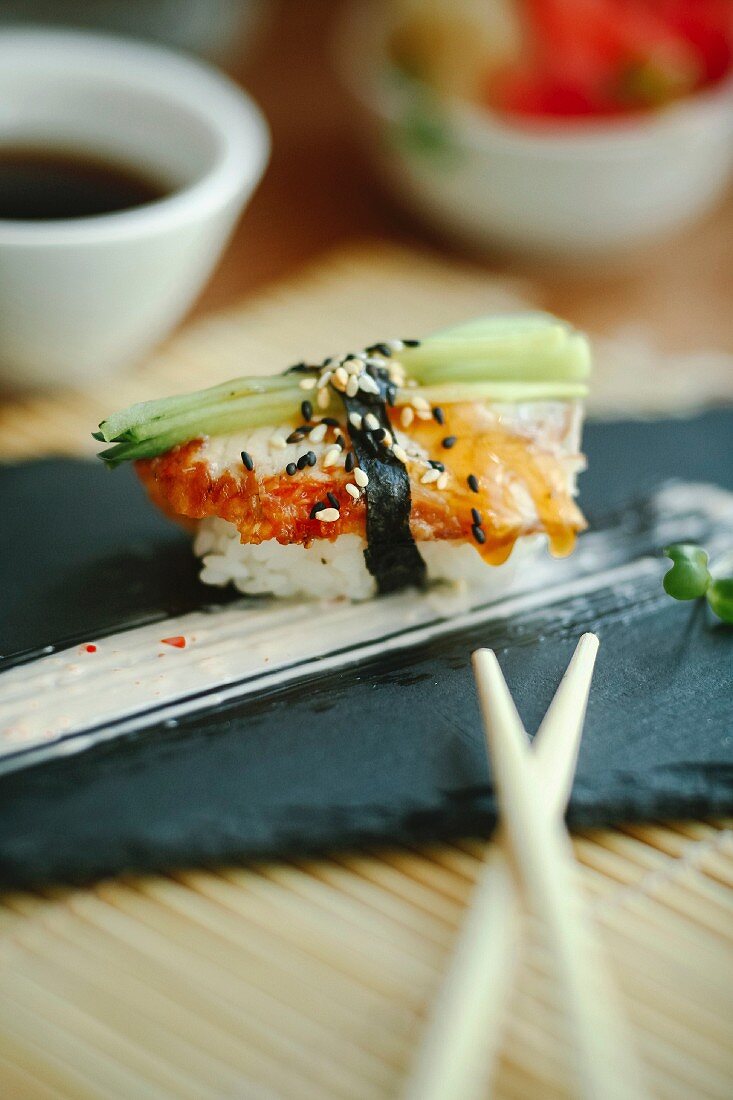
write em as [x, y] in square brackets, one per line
[521, 474]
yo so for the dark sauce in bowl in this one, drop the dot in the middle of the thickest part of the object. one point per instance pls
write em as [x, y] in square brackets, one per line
[50, 185]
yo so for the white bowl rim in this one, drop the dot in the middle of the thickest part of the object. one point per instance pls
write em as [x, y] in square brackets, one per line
[359, 39]
[205, 93]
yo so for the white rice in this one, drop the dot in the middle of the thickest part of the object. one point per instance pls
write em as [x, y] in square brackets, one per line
[330, 569]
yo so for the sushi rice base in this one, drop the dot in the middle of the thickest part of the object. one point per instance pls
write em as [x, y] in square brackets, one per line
[337, 568]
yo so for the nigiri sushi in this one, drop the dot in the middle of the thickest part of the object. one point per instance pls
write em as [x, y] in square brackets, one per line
[406, 462]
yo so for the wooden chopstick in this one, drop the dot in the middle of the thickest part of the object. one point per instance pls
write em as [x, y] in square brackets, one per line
[461, 1038]
[607, 1065]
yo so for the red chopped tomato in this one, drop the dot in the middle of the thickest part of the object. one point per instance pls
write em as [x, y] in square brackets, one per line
[605, 57]
[177, 640]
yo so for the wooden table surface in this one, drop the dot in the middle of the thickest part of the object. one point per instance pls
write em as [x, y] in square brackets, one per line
[320, 191]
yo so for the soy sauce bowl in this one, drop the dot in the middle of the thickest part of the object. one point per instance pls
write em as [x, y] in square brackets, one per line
[82, 296]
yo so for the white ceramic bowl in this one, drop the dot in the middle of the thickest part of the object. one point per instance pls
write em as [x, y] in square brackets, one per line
[580, 192]
[79, 297]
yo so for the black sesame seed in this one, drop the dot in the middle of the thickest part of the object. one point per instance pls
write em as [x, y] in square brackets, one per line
[472, 483]
[290, 469]
[449, 441]
[391, 394]
[350, 462]
[311, 458]
[476, 517]
[379, 434]
[317, 507]
[384, 349]
[328, 360]
[302, 462]
[370, 446]
[437, 465]
[307, 410]
[411, 343]
[438, 415]
[479, 534]
[330, 420]
[298, 368]
[248, 460]
[295, 437]
[334, 501]
[340, 440]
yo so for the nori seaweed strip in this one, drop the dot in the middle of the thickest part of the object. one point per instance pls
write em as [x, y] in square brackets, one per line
[391, 555]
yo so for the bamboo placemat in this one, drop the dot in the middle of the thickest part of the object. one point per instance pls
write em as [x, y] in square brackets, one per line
[310, 979]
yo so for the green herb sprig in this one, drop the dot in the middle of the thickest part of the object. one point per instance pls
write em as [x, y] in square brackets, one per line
[690, 579]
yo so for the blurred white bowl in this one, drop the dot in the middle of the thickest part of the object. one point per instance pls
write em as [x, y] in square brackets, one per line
[576, 191]
[80, 296]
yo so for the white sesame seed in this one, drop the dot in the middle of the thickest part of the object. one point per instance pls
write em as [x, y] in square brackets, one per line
[429, 476]
[376, 361]
[442, 482]
[331, 456]
[371, 422]
[355, 420]
[388, 440]
[328, 515]
[395, 345]
[352, 386]
[407, 416]
[367, 384]
[399, 453]
[322, 399]
[353, 491]
[307, 383]
[318, 433]
[353, 366]
[278, 441]
[419, 402]
[324, 379]
[360, 478]
[423, 414]
[340, 376]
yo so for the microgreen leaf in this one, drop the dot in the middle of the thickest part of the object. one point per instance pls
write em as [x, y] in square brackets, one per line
[688, 579]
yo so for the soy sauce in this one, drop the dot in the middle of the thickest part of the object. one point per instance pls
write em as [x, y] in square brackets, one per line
[48, 185]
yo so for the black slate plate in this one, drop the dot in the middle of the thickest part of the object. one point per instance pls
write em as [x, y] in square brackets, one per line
[386, 751]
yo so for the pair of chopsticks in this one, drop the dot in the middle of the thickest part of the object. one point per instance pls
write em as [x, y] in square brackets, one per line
[533, 855]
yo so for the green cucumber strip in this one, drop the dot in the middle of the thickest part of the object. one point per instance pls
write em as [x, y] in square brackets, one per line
[220, 422]
[146, 412]
[550, 349]
[568, 362]
[284, 405]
